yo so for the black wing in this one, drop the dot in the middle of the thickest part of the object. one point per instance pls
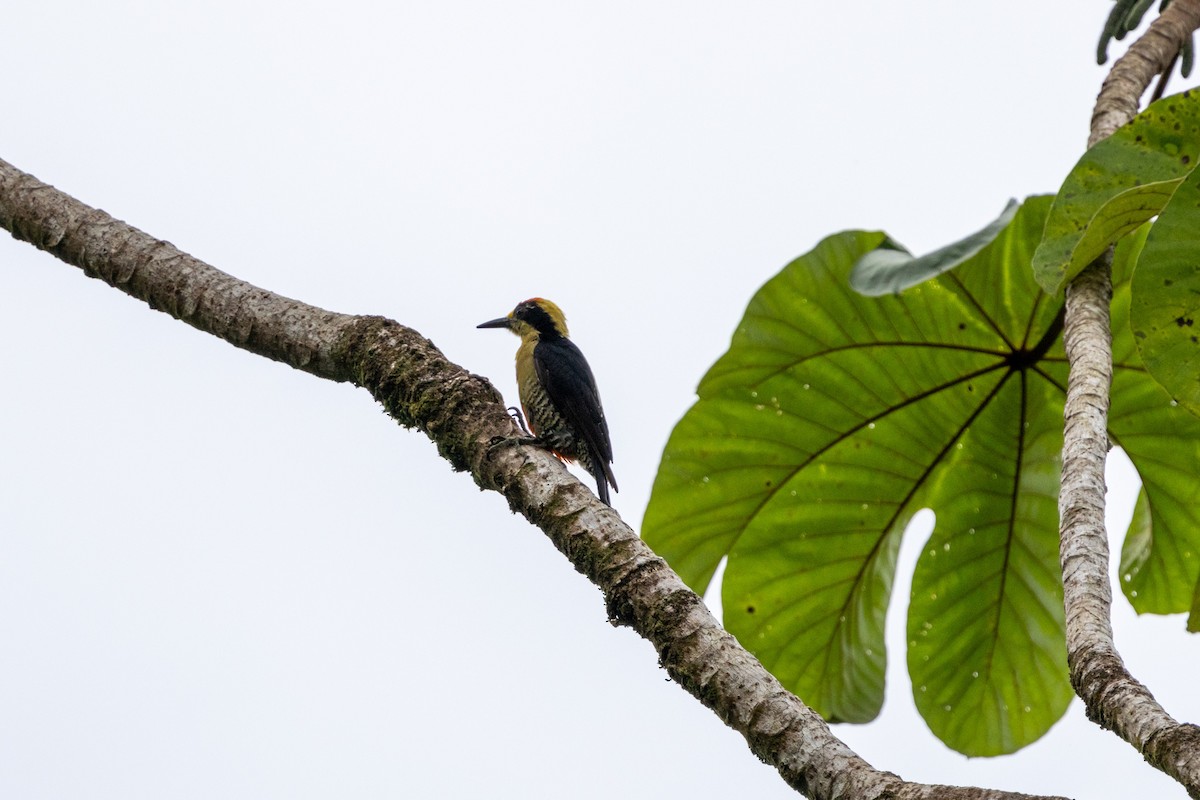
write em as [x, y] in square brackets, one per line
[567, 378]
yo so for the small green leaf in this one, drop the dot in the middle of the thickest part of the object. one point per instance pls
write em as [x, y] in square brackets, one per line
[1117, 185]
[1125, 16]
[887, 270]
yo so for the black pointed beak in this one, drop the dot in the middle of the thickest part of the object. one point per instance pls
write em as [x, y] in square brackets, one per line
[502, 322]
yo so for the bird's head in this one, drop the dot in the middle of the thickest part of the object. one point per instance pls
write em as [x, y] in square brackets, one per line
[533, 319]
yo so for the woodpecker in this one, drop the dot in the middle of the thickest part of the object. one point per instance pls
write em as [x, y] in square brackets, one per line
[558, 392]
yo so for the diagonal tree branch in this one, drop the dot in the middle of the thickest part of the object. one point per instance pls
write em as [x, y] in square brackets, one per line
[461, 413]
[1152, 54]
[1113, 697]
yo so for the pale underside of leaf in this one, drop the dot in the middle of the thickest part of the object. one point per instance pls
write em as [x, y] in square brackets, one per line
[891, 269]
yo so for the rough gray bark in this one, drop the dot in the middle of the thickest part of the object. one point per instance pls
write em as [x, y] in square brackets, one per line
[1113, 697]
[461, 413]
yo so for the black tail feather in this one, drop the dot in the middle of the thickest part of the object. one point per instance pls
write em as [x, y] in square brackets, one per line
[602, 489]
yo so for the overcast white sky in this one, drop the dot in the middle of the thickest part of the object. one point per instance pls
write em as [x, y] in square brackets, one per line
[223, 578]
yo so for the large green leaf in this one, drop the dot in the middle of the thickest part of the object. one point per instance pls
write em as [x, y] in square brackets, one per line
[834, 417]
[1117, 185]
[1160, 561]
[831, 420]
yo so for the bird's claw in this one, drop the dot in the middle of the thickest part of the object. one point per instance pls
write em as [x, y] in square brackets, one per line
[516, 414]
[499, 441]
